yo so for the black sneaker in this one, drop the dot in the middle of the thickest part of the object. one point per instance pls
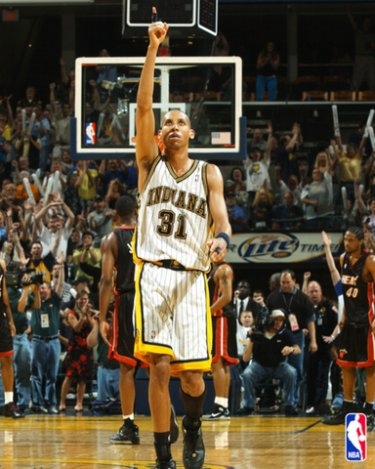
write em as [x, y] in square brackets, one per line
[370, 422]
[126, 435]
[368, 410]
[324, 409]
[336, 419]
[193, 451]
[290, 411]
[339, 418]
[171, 464]
[11, 410]
[219, 413]
[174, 430]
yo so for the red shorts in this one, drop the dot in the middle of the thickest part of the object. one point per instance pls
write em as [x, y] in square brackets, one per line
[224, 339]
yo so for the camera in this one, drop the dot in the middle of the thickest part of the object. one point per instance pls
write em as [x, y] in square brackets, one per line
[34, 277]
[16, 278]
[264, 323]
[269, 321]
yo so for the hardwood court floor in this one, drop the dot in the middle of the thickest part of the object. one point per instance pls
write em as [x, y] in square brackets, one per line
[255, 442]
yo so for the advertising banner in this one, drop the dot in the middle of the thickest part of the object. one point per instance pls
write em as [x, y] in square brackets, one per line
[281, 248]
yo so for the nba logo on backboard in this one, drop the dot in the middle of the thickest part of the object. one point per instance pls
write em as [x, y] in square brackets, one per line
[90, 137]
[355, 437]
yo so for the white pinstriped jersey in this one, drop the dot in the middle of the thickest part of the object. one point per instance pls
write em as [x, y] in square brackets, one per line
[173, 218]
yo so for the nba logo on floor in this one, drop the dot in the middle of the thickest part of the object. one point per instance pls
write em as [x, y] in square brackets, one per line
[355, 437]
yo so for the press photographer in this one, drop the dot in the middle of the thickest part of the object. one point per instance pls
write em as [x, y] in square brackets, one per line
[22, 297]
[268, 349]
[45, 326]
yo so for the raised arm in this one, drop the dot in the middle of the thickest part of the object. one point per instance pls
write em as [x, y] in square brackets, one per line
[305, 284]
[58, 287]
[269, 145]
[9, 110]
[335, 274]
[146, 148]
[70, 215]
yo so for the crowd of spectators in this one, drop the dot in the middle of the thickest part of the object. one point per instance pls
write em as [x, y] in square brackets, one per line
[281, 187]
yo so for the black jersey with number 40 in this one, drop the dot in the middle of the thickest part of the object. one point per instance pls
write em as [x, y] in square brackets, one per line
[355, 291]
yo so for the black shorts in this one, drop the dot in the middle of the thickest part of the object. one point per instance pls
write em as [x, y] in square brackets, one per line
[6, 341]
[122, 343]
[224, 344]
[355, 346]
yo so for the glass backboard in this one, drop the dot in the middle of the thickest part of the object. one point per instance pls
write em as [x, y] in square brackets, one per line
[208, 89]
[179, 14]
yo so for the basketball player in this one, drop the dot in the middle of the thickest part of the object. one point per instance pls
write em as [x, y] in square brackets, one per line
[356, 342]
[224, 351]
[180, 199]
[117, 255]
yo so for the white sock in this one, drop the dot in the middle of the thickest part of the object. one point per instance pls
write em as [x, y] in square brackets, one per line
[130, 416]
[8, 397]
[223, 401]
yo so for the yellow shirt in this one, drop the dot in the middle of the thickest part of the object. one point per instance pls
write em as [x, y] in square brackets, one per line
[87, 189]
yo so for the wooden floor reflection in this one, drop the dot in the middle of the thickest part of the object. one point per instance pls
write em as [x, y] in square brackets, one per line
[256, 442]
